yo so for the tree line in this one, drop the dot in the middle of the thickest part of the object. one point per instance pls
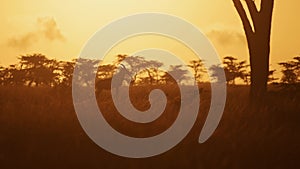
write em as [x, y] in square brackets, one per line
[37, 70]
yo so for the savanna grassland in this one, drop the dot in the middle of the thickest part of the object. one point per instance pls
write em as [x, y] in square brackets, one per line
[39, 129]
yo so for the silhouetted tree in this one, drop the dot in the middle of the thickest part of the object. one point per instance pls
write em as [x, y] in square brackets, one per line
[6, 75]
[138, 65]
[258, 39]
[234, 69]
[66, 75]
[15, 76]
[215, 71]
[106, 71]
[297, 66]
[2, 73]
[179, 74]
[271, 77]
[152, 76]
[289, 76]
[247, 78]
[119, 59]
[197, 66]
[106, 84]
[154, 66]
[291, 71]
[39, 70]
[87, 69]
[167, 79]
[152, 69]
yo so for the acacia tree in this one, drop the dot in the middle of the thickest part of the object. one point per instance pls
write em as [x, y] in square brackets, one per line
[297, 66]
[198, 68]
[291, 71]
[106, 71]
[154, 70]
[234, 69]
[139, 65]
[66, 72]
[38, 69]
[178, 72]
[258, 39]
[215, 71]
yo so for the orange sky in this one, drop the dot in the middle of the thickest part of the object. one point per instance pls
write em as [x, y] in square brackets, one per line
[60, 29]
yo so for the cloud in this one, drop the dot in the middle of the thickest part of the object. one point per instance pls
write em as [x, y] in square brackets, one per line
[46, 29]
[227, 37]
[49, 29]
[24, 41]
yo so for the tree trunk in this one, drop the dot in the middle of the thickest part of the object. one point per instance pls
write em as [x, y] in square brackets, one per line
[259, 64]
[258, 39]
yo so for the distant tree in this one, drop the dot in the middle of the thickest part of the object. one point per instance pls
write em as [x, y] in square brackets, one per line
[15, 76]
[106, 71]
[197, 66]
[271, 77]
[153, 72]
[138, 65]
[87, 70]
[120, 58]
[2, 74]
[152, 76]
[234, 69]
[6, 75]
[66, 72]
[179, 73]
[106, 84]
[246, 77]
[39, 69]
[147, 76]
[297, 66]
[146, 80]
[166, 78]
[216, 71]
[290, 71]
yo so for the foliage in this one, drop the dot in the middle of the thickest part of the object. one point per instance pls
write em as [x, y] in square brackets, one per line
[178, 73]
[291, 71]
[37, 70]
[197, 66]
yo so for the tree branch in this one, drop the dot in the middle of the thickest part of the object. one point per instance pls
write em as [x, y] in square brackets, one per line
[241, 11]
[253, 10]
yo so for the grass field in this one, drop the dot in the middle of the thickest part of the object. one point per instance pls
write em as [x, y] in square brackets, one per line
[39, 129]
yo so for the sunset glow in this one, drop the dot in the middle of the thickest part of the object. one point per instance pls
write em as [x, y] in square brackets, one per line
[71, 23]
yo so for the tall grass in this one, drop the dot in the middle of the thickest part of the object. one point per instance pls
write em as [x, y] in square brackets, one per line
[39, 129]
